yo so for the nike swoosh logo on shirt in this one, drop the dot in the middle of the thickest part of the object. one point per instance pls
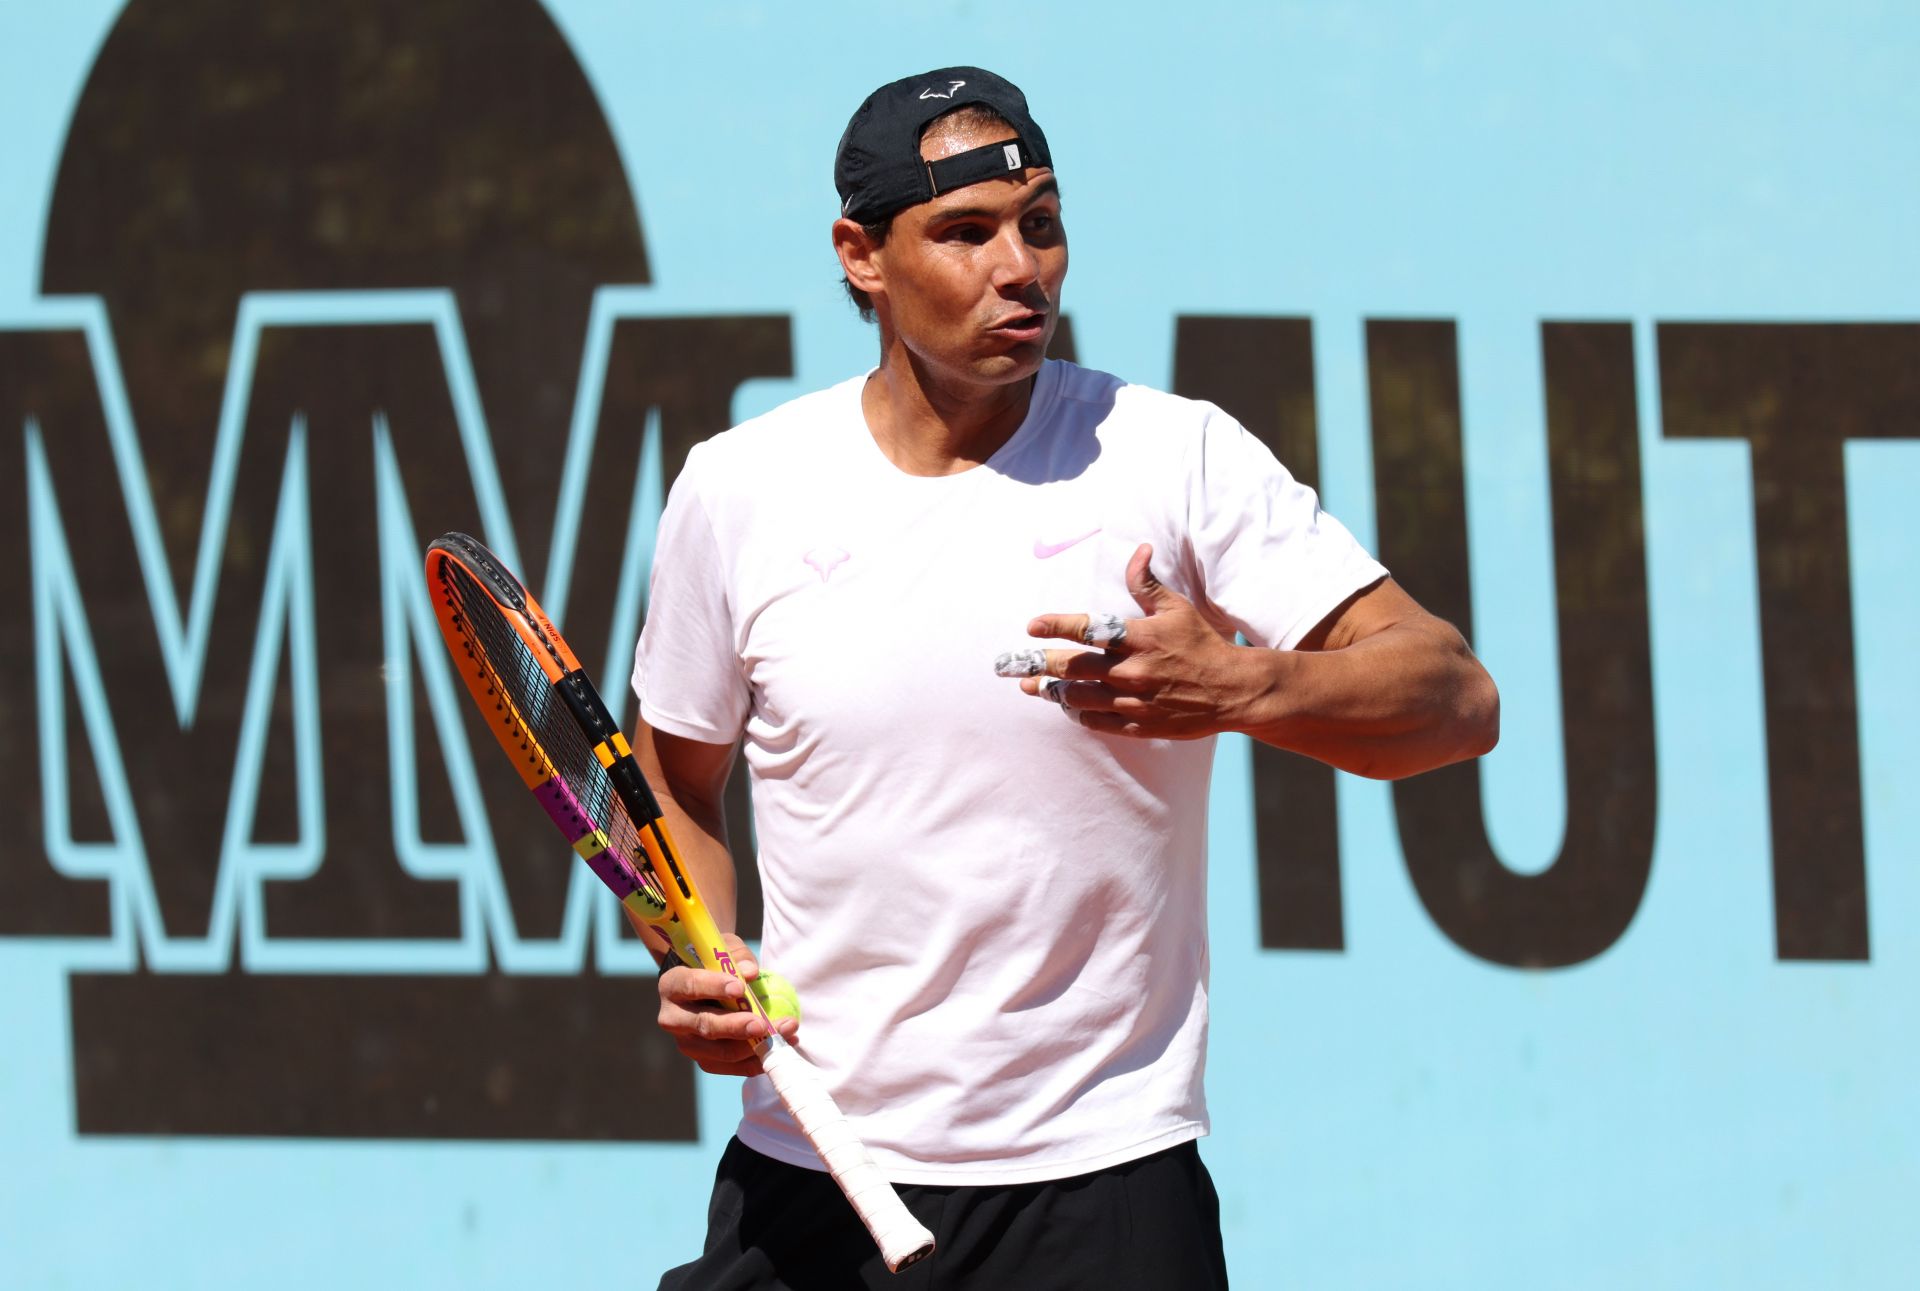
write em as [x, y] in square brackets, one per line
[1044, 550]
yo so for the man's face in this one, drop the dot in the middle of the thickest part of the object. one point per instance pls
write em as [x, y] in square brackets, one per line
[971, 280]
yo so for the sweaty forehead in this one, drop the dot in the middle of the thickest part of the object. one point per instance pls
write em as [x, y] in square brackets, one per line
[948, 137]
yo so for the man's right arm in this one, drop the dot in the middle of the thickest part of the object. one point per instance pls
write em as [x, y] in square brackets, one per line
[689, 777]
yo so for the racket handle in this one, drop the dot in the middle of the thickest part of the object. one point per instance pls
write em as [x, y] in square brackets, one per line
[902, 1239]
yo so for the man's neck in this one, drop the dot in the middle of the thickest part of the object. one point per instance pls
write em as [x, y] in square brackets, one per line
[930, 426]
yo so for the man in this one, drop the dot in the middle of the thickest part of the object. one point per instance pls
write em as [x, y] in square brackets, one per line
[994, 915]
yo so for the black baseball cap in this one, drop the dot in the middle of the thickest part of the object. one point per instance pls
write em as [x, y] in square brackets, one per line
[878, 168]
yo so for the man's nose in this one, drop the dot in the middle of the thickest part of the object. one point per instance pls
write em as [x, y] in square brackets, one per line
[1015, 265]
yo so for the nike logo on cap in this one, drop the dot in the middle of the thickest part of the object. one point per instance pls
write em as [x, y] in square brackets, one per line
[1046, 550]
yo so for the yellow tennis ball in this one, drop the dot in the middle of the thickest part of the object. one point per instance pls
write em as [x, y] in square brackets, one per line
[776, 996]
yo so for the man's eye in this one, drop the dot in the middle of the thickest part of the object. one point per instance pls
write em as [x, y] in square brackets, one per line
[970, 234]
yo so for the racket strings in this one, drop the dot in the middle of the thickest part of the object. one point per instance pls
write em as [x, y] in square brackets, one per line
[511, 668]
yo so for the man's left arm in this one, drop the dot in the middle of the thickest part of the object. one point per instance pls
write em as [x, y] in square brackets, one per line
[1379, 687]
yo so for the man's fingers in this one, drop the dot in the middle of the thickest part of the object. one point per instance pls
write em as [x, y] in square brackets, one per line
[1082, 696]
[1079, 665]
[1059, 627]
[1107, 631]
[721, 1057]
[743, 960]
[689, 985]
[1110, 723]
[1020, 663]
[701, 1010]
[1102, 629]
[711, 1022]
[1138, 726]
[729, 1025]
[1074, 665]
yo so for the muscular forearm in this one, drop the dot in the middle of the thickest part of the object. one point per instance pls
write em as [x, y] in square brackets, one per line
[1406, 699]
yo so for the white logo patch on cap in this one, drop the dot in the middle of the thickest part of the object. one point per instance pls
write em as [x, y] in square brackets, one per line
[1012, 154]
[931, 93]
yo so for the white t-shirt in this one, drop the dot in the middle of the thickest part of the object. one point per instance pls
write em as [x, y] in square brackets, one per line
[995, 918]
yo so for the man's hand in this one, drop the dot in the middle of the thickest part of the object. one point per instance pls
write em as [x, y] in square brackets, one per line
[1168, 676]
[695, 1009]
[1378, 687]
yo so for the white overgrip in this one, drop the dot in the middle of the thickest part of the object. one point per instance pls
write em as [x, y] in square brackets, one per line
[902, 1239]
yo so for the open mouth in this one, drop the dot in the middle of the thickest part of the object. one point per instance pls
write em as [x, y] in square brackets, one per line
[1022, 327]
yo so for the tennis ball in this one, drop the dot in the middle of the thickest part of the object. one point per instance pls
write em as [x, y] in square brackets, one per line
[776, 996]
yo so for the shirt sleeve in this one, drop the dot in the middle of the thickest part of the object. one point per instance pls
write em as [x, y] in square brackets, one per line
[1271, 562]
[686, 669]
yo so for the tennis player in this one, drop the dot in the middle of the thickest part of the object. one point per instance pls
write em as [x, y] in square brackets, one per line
[974, 613]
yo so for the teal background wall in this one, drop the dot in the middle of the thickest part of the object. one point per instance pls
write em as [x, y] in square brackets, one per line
[1689, 1108]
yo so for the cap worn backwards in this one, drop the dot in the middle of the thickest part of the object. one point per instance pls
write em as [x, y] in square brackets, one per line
[878, 169]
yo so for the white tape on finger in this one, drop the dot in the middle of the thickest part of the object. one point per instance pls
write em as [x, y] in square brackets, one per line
[1105, 630]
[1056, 690]
[1020, 663]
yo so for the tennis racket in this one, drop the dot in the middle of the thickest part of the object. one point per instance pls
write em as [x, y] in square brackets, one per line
[548, 718]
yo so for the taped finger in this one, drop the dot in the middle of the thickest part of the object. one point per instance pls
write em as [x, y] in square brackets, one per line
[1105, 630]
[1059, 691]
[1074, 665]
[1020, 663]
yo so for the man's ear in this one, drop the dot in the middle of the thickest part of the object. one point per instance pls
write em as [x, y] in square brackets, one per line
[859, 256]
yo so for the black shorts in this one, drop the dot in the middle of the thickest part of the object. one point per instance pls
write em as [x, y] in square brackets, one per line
[1151, 1224]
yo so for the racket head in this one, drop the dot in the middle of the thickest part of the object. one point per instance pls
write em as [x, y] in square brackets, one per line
[517, 668]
